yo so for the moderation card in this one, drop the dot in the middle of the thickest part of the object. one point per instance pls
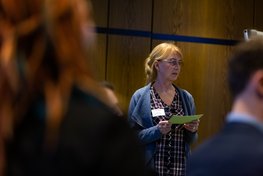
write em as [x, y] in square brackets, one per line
[184, 119]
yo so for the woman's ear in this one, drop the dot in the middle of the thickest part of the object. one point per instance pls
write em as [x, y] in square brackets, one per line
[260, 86]
[258, 82]
[156, 65]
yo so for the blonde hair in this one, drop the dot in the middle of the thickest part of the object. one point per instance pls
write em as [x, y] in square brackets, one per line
[43, 52]
[160, 52]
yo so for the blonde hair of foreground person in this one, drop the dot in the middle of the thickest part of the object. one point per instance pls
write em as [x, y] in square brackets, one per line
[36, 57]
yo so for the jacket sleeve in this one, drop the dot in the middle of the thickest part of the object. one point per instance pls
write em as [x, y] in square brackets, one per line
[146, 135]
[149, 135]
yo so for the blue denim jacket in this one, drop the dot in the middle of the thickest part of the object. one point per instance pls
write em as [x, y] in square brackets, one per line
[140, 119]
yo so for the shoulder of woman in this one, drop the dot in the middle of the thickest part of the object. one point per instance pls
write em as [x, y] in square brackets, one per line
[184, 92]
[141, 90]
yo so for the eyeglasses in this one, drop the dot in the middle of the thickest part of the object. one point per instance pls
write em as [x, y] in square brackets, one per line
[173, 62]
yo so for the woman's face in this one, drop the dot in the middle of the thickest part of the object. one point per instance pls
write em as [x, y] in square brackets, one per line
[168, 69]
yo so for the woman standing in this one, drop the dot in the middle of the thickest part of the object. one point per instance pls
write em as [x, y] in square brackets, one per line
[167, 146]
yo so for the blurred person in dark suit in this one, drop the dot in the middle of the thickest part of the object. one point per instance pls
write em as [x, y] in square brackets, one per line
[238, 147]
[54, 116]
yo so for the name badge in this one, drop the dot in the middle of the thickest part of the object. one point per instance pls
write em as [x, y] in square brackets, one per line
[158, 112]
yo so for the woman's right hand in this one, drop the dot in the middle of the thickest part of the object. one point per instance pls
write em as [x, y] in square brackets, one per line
[164, 126]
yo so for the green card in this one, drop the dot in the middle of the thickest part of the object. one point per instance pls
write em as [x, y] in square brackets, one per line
[184, 119]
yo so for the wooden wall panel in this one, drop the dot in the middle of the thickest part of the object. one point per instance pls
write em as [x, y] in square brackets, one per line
[125, 66]
[204, 75]
[100, 12]
[204, 18]
[131, 14]
[125, 61]
[98, 53]
[258, 20]
[98, 56]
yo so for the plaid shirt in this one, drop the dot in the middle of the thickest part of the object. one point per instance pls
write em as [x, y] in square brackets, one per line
[170, 154]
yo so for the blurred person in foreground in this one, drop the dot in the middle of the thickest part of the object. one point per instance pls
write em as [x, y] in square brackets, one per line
[167, 146]
[110, 91]
[54, 117]
[237, 149]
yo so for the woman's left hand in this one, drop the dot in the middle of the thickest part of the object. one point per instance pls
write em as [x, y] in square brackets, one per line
[192, 126]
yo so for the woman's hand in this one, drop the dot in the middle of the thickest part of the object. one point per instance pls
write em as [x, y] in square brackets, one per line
[164, 126]
[192, 126]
